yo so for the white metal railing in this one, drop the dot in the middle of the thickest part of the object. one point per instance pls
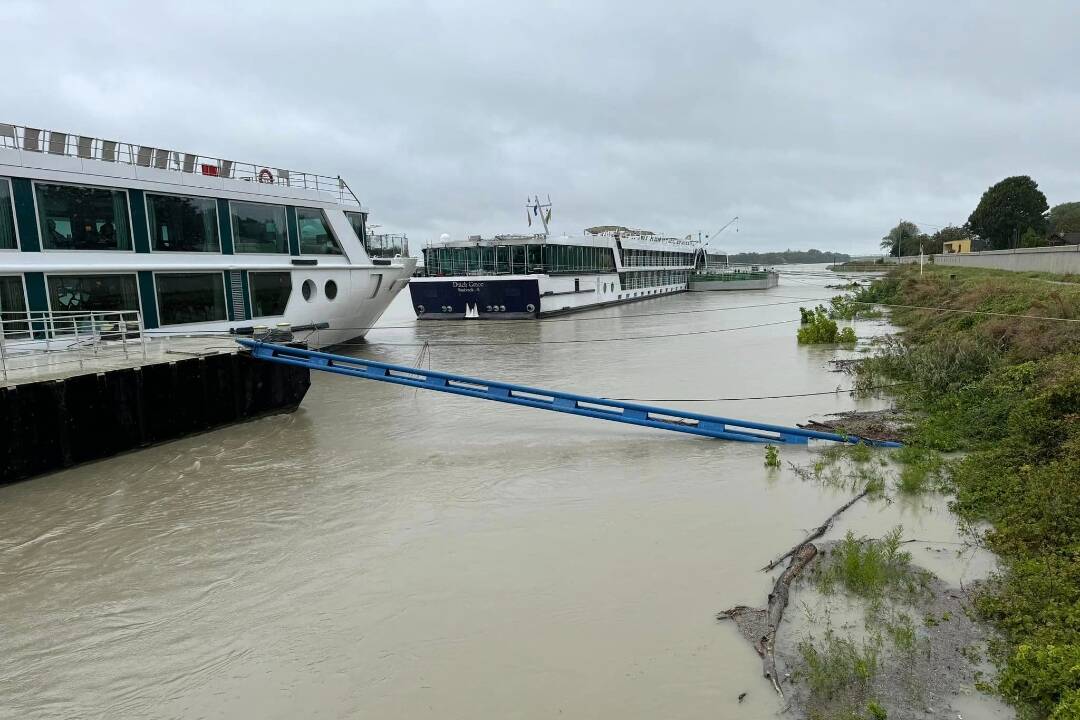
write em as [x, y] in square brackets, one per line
[33, 339]
[84, 147]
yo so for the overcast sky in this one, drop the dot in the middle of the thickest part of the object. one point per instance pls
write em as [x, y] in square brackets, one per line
[818, 127]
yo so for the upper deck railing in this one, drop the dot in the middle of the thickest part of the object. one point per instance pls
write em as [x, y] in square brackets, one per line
[84, 147]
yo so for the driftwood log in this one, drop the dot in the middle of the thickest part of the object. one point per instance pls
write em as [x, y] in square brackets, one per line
[760, 626]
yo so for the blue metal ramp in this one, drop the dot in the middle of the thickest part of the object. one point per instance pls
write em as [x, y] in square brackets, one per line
[584, 405]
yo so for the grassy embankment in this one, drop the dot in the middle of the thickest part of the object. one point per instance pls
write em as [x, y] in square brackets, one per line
[1006, 391]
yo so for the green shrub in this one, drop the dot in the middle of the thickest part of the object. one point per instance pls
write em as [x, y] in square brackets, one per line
[772, 456]
[818, 329]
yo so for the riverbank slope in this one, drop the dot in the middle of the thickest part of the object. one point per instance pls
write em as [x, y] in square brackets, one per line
[991, 366]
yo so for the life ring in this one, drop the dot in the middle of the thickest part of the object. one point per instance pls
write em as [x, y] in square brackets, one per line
[265, 176]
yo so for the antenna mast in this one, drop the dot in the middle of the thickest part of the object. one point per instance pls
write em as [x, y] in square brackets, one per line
[537, 208]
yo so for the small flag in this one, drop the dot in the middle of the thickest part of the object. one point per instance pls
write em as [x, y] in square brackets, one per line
[547, 218]
[536, 209]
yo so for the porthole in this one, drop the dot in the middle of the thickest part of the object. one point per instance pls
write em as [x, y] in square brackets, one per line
[330, 288]
[308, 290]
[530, 307]
[419, 308]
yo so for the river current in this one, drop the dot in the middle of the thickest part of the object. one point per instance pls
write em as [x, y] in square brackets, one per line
[391, 553]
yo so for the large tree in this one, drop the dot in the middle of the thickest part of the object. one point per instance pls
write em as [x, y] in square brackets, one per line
[902, 239]
[1065, 217]
[1007, 210]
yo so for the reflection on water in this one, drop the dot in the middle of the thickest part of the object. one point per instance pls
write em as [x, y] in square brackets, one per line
[391, 553]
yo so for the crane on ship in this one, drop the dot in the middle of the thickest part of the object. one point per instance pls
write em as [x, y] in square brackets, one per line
[703, 255]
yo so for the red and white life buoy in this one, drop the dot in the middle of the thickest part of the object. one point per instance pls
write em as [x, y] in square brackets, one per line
[265, 176]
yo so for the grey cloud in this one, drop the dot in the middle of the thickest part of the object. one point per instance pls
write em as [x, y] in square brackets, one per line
[820, 125]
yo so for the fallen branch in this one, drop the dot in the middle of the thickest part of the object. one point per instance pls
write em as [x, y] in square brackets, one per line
[818, 531]
[765, 640]
[760, 626]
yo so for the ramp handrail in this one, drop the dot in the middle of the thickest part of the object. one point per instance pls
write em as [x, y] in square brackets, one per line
[555, 400]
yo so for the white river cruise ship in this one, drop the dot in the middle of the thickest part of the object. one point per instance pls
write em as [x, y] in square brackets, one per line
[530, 276]
[195, 244]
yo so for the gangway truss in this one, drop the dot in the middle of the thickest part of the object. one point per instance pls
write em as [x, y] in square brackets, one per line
[660, 418]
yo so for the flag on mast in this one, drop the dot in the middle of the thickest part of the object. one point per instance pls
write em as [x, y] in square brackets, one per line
[547, 217]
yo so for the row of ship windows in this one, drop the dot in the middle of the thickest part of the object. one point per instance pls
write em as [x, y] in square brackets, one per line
[638, 258]
[75, 217]
[651, 278]
[182, 298]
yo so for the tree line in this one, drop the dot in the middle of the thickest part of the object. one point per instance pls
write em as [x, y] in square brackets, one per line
[1012, 213]
[787, 256]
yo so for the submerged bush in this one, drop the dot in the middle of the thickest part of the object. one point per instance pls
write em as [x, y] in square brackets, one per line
[818, 329]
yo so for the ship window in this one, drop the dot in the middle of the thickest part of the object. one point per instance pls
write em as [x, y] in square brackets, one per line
[182, 224]
[270, 293]
[315, 235]
[13, 307]
[259, 228]
[87, 293]
[7, 217]
[330, 289]
[190, 297]
[82, 218]
[356, 219]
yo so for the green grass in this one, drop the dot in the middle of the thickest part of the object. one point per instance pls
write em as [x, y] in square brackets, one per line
[1006, 392]
[869, 568]
[839, 672]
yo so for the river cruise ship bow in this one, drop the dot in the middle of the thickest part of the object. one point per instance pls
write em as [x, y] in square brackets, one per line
[194, 244]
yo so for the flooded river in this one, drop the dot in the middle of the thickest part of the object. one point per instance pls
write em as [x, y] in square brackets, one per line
[391, 553]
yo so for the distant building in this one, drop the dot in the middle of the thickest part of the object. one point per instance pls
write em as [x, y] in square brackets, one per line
[956, 246]
[1064, 238]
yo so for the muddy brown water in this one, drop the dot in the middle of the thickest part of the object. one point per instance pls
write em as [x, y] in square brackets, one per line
[390, 553]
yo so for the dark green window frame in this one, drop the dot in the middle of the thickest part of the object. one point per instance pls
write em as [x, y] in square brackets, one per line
[270, 293]
[178, 298]
[82, 217]
[252, 234]
[182, 223]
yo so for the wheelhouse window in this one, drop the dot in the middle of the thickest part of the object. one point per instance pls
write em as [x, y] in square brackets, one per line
[13, 307]
[315, 235]
[190, 297]
[259, 228]
[357, 220]
[270, 293]
[7, 217]
[182, 224]
[74, 217]
[90, 293]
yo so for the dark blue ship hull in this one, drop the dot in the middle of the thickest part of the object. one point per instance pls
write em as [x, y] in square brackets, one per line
[454, 299]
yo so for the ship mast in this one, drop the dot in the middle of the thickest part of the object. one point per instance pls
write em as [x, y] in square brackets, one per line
[538, 209]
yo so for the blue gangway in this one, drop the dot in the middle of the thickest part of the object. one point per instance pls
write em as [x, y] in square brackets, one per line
[555, 400]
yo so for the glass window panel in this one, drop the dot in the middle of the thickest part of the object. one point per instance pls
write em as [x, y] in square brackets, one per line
[270, 293]
[258, 228]
[357, 221]
[190, 297]
[315, 235]
[182, 224]
[82, 218]
[13, 306]
[85, 293]
[7, 217]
